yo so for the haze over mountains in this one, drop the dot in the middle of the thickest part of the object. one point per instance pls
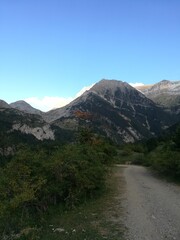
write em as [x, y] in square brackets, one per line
[111, 108]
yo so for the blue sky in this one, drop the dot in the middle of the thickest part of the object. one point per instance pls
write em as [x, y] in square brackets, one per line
[51, 49]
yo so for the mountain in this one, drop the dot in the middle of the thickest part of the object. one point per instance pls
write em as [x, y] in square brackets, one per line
[18, 127]
[114, 109]
[20, 117]
[25, 107]
[110, 108]
[4, 104]
[12, 120]
[166, 93]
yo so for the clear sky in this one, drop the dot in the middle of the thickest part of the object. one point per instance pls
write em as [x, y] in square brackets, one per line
[51, 49]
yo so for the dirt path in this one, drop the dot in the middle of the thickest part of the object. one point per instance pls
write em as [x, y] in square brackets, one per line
[152, 206]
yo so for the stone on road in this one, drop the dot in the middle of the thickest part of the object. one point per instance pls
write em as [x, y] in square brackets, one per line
[152, 206]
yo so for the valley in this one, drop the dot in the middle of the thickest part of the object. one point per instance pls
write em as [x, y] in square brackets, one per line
[55, 165]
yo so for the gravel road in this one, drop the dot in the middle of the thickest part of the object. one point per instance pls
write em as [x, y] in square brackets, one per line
[152, 206]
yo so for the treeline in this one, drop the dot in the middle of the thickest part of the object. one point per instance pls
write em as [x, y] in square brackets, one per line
[39, 178]
[162, 154]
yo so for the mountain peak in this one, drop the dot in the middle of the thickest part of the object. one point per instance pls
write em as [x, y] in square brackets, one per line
[25, 107]
[110, 84]
[165, 93]
[20, 103]
[111, 87]
[114, 109]
[4, 104]
[115, 91]
[165, 86]
[164, 81]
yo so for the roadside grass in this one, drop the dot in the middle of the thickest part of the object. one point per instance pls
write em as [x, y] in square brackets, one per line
[96, 219]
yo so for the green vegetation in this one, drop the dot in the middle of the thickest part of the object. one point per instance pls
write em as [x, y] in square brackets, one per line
[162, 154]
[131, 153]
[39, 179]
[95, 219]
[54, 189]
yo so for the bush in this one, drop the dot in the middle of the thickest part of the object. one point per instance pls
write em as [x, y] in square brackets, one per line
[166, 161]
[35, 180]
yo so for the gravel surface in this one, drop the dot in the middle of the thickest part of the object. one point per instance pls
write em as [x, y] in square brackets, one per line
[152, 206]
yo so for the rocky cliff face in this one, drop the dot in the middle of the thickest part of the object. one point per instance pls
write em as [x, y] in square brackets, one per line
[41, 133]
[14, 120]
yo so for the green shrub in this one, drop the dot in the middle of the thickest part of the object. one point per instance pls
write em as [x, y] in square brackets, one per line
[166, 161]
[34, 180]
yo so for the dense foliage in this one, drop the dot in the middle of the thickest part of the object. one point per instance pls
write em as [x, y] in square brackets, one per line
[162, 154]
[38, 178]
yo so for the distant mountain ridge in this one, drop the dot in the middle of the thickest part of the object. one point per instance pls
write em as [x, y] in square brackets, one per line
[167, 86]
[25, 107]
[166, 93]
[111, 108]
[4, 104]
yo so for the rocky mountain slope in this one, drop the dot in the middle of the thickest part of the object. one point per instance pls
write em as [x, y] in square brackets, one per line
[114, 109]
[25, 107]
[111, 108]
[4, 104]
[18, 127]
[166, 93]
[12, 120]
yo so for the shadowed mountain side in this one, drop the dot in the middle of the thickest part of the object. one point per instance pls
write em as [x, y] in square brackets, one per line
[114, 109]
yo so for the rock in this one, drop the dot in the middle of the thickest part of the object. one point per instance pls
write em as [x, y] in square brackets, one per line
[41, 133]
[60, 230]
